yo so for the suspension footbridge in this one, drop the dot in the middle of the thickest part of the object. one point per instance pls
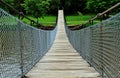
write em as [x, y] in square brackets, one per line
[92, 52]
[62, 61]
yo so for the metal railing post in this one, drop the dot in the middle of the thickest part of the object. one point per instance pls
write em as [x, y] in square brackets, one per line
[21, 47]
[102, 53]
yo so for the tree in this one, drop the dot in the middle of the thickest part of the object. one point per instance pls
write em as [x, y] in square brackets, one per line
[17, 4]
[78, 5]
[70, 6]
[54, 6]
[37, 8]
[11, 2]
[14, 3]
[100, 5]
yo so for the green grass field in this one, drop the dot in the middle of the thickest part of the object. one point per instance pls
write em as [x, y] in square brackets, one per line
[78, 19]
[46, 21]
[71, 20]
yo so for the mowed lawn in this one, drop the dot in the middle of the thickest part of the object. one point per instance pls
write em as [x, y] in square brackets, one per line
[71, 20]
[46, 21]
[78, 19]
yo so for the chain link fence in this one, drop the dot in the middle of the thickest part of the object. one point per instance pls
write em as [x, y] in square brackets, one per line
[21, 46]
[100, 46]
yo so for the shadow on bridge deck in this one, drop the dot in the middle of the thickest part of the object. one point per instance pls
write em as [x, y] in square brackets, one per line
[62, 61]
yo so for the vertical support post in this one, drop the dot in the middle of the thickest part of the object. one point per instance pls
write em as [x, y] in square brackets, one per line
[21, 48]
[102, 53]
[91, 49]
[20, 14]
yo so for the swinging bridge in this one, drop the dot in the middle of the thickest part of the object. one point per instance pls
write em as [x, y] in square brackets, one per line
[92, 52]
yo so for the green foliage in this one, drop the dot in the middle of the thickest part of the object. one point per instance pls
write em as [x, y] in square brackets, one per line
[70, 6]
[73, 6]
[17, 4]
[11, 2]
[53, 6]
[37, 8]
[100, 5]
[14, 3]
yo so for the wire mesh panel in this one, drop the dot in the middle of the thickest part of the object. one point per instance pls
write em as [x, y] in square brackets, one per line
[21, 46]
[10, 56]
[100, 45]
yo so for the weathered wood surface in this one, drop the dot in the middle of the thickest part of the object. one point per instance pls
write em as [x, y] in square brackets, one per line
[62, 61]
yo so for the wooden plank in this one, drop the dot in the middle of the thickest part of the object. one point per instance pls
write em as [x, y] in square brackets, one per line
[62, 61]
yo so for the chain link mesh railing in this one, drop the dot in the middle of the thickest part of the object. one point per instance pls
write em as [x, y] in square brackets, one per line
[100, 46]
[21, 46]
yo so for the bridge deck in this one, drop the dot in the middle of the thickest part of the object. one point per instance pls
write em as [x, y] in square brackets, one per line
[62, 61]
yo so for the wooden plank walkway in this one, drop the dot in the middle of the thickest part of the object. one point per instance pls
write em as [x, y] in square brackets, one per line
[62, 61]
